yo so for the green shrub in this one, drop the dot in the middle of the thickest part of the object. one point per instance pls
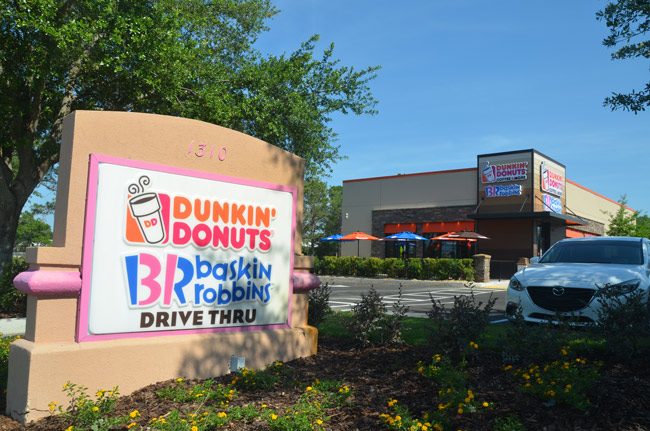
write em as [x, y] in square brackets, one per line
[5, 342]
[461, 325]
[413, 268]
[372, 325]
[347, 265]
[393, 267]
[509, 423]
[369, 267]
[319, 306]
[326, 265]
[423, 269]
[12, 300]
[623, 320]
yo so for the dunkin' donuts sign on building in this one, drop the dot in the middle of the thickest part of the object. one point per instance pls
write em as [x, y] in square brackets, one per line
[167, 249]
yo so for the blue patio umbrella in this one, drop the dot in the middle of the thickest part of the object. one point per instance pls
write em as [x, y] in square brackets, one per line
[332, 238]
[405, 236]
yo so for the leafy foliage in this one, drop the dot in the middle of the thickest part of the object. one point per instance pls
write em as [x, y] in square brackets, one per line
[463, 323]
[623, 223]
[624, 320]
[188, 58]
[32, 232]
[12, 300]
[319, 307]
[372, 325]
[321, 218]
[425, 269]
[628, 22]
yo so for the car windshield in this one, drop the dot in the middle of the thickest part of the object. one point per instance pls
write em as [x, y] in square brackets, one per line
[615, 252]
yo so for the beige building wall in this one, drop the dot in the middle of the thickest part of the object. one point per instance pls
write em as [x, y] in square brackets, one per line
[430, 189]
[590, 205]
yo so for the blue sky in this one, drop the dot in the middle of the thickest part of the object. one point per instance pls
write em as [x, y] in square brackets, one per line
[461, 78]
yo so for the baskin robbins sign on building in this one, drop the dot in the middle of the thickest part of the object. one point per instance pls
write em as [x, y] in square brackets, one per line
[169, 249]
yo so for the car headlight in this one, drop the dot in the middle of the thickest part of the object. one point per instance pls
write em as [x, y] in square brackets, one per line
[622, 288]
[515, 284]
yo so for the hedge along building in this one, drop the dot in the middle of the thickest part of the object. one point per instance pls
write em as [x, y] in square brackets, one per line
[521, 200]
[177, 245]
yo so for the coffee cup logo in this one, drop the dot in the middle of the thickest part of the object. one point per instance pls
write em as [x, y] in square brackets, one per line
[488, 174]
[145, 208]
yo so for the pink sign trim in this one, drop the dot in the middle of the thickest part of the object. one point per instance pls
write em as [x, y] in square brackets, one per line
[89, 235]
[304, 282]
[49, 283]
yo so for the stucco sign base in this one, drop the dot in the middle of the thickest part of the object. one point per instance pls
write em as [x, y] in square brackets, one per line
[186, 158]
[39, 370]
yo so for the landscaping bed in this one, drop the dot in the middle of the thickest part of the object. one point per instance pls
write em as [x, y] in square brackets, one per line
[375, 376]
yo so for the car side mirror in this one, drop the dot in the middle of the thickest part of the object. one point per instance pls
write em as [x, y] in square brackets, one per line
[534, 260]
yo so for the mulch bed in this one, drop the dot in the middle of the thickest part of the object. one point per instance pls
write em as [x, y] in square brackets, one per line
[620, 402]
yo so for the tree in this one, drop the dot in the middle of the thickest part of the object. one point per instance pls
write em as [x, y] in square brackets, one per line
[623, 223]
[628, 22]
[189, 58]
[643, 226]
[32, 232]
[322, 217]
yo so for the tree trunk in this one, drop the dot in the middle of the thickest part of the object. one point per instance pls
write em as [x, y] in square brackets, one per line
[9, 215]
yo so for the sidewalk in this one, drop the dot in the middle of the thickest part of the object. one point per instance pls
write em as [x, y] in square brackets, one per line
[13, 326]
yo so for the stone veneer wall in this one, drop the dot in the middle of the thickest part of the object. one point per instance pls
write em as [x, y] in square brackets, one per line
[413, 215]
[591, 227]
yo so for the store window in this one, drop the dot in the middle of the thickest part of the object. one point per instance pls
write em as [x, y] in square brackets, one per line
[401, 249]
[448, 249]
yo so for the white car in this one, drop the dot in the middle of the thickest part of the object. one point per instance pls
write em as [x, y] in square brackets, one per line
[572, 275]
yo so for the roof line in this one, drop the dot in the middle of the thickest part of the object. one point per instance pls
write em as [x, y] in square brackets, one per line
[449, 171]
[587, 189]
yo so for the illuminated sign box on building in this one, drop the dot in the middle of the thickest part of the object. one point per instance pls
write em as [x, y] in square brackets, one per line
[169, 249]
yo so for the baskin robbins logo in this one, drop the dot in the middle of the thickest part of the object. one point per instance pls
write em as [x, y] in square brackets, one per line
[185, 277]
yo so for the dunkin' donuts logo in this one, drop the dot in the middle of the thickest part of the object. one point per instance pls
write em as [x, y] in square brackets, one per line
[160, 218]
[145, 222]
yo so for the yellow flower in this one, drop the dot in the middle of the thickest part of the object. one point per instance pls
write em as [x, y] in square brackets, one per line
[486, 404]
[134, 414]
[274, 417]
[95, 409]
[507, 368]
[52, 405]
[100, 393]
[222, 414]
[264, 406]
[392, 402]
[70, 428]
[564, 352]
[195, 428]
[460, 411]
[180, 380]
[319, 422]
[131, 425]
[398, 418]
[437, 358]
[309, 388]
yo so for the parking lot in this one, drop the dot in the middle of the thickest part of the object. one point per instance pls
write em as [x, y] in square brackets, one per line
[346, 292]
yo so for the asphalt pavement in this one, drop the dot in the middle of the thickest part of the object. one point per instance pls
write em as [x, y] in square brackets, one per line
[416, 294]
[346, 292]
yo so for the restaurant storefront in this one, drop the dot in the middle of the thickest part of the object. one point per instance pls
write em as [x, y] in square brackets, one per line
[521, 200]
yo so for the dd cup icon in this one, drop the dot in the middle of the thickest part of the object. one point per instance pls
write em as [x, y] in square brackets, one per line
[146, 209]
[488, 174]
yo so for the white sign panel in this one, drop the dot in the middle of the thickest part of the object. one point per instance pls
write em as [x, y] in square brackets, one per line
[504, 172]
[177, 250]
[552, 203]
[552, 182]
[500, 191]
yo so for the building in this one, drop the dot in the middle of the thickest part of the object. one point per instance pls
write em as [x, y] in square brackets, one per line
[521, 200]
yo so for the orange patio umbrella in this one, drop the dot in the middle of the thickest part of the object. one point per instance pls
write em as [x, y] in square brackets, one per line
[358, 236]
